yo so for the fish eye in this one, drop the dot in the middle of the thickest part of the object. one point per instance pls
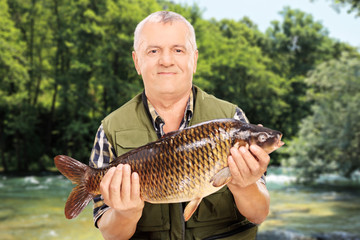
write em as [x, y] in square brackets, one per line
[262, 138]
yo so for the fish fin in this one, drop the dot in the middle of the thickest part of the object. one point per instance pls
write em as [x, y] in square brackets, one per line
[221, 178]
[191, 208]
[72, 169]
[78, 199]
[75, 171]
[240, 143]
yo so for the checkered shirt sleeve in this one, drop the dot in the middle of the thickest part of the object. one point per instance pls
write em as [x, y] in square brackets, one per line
[102, 155]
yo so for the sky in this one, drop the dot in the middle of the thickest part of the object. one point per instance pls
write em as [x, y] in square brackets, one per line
[340, 25]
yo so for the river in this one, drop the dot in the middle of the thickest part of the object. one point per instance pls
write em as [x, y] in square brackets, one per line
[32, 207]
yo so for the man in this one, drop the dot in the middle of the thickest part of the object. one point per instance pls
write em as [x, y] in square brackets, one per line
[165, 55]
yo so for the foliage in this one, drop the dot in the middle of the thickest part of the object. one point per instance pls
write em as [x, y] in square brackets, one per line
[296, 46]
[15, 108]
[64, 65]
[237, 71]
[354, 5]
[329, 139]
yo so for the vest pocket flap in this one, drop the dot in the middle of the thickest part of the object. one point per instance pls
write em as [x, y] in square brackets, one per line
[132, 138]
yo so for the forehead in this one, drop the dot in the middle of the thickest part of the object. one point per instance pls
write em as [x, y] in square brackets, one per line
[164, 34]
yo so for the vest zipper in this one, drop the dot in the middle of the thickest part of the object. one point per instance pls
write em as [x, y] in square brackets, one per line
[181, 209]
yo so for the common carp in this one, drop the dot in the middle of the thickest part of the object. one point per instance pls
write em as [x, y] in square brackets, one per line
[185, 165]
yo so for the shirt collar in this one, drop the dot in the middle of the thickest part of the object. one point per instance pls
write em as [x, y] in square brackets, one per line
[159, 123]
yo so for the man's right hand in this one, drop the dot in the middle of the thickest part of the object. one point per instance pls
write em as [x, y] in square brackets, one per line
[121, 192]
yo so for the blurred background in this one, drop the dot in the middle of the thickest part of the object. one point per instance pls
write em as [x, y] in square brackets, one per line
[290, 65]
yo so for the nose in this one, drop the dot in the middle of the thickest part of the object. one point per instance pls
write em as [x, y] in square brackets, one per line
[166, 59]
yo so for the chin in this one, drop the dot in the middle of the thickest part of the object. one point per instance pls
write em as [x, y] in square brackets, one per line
[171, 87]
[168, 90]
[168, 87]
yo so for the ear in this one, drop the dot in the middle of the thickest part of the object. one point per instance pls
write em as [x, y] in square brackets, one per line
[136, 62]
[196, 54]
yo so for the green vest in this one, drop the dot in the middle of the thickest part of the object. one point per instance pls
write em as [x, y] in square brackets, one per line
[217, 216]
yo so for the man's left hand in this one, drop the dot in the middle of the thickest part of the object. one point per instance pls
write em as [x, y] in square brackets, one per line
[247, 166]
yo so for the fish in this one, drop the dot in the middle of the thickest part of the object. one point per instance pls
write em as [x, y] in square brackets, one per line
[182, 166]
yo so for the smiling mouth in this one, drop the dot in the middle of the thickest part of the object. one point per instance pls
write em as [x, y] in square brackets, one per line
[166, 73]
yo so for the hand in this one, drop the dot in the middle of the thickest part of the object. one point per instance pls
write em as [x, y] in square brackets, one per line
[246, 166]
[121, 191]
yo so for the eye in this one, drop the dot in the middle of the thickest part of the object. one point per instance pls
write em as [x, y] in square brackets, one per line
[152, 51]
[262, 137]
[179, 51]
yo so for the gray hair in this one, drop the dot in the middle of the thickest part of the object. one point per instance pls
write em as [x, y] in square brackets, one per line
[164, 17]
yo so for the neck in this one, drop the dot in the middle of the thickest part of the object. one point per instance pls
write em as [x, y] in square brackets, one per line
[171, 109]
[169, 102]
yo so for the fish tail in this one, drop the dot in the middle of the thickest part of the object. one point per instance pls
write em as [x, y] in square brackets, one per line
[75, 171]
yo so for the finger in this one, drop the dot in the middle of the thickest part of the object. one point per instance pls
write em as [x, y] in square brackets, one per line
[105, 182]
[135, 186]
[235, 173]
[261, 155]
[260, 125]
[250, 161]
[114, 194]
[239, 161]
[126, 183]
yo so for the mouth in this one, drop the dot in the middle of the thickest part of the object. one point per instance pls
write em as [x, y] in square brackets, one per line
[166, 73]
[280, 143]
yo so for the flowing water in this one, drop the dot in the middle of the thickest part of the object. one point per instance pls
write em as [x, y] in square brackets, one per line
[32, 207]
[328, 210]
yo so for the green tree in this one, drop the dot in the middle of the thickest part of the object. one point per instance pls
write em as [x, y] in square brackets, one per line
[239, 73]
[15, 111]
[115, 80]
[297, 45]
[353, 4]
[329, 139]
[65, 64]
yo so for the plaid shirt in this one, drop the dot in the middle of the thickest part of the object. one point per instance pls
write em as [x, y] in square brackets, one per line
[103, 153]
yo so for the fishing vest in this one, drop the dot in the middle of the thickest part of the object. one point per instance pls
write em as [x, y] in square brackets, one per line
[217, 216]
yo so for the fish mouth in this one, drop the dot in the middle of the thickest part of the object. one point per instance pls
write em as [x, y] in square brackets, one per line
[276, 143]
[280, 143]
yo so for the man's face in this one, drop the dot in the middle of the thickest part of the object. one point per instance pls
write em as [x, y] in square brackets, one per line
[166, 59]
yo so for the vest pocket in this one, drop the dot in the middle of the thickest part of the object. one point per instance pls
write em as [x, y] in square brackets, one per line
[153, 218]
[217, 208]
[130, 139]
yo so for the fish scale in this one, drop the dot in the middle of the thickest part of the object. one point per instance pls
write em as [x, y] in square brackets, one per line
[175, 160]
[185, 165]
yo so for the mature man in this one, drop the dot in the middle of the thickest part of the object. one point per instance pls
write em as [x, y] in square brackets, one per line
[165, 55]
